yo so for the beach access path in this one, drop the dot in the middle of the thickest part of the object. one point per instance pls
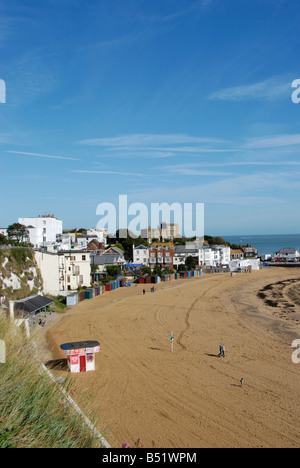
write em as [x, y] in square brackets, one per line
[188, 398]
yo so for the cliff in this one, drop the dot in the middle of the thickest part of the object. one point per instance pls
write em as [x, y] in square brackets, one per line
[19, 274]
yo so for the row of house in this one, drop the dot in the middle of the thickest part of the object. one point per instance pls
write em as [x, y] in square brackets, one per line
[67, 259]
[168, 255]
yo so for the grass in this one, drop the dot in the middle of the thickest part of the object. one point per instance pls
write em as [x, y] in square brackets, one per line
[33, 411]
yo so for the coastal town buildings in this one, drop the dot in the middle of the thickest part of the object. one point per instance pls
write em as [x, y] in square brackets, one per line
[182, 252]
[287, 254]
[162, 233]
[63, 271]
[43, 229]
[113, 256]
[140, 255]
[161, 254]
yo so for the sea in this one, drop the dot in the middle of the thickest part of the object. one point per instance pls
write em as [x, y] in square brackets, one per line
[268, 244]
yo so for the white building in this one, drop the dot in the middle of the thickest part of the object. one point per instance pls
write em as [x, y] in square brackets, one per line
[288, 254]
[42, 230]
[245, 264]
[164, 232]
[141, 255]
[182, 252]
[101, 234]
[216, 256]
[64, 271]
[224, 254]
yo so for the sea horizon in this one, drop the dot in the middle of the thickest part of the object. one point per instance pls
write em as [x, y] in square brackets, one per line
[266, 243]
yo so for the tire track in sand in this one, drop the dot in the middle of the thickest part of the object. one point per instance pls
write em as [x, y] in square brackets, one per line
[187, 318]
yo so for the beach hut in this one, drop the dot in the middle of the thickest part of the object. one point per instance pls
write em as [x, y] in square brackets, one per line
[72, 299]
[108, 287]
[81, 355]
[141, 280]
[88, 294]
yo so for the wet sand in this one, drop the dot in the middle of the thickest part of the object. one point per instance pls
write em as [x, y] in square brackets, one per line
[190, 398]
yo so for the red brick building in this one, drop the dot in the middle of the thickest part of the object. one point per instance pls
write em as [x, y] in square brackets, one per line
[162, 254]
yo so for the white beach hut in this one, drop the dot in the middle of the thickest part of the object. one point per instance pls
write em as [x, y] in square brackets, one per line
[81, 355]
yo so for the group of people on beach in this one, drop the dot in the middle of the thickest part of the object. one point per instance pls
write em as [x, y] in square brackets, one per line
[222, 354]
[152, 290]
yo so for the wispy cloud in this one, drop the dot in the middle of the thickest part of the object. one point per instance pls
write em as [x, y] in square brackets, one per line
[149, 140]
[37, 155]
[186, 171]
[109, 172]
[180, 149]
[181, 167]
[274, 141]
[270, 90]
[159, 145]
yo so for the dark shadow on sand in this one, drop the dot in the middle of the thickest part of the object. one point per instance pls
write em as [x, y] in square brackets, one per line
[58, 364]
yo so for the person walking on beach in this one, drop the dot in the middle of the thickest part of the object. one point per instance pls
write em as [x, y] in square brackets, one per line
[222, 351]
[242, 382]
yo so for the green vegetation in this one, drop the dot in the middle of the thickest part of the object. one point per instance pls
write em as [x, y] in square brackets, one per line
[216, 241]
[33, 411]
[125, 239]
[17, 234]
[190, 263]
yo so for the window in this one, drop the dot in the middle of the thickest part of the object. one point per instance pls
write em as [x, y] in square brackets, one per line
[83, 257]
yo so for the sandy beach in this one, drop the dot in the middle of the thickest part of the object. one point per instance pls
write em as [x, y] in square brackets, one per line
[190, 398]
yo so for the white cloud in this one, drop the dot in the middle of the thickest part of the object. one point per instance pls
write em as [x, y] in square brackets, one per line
[269, 90]
[274, 141]
[108, 172]
[148, 140]
[37, 155]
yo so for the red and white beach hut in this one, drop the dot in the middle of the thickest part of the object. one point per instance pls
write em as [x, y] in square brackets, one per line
[81, 355]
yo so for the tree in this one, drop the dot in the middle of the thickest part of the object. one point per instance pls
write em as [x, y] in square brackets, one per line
[3, 240]
[113, 270]
[127, 239]
[216, 240]
[157, 270]
[190, 263]
[146, 270]
[17, 232]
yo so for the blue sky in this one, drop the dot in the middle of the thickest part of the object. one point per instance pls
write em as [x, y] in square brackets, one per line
[164, 101]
